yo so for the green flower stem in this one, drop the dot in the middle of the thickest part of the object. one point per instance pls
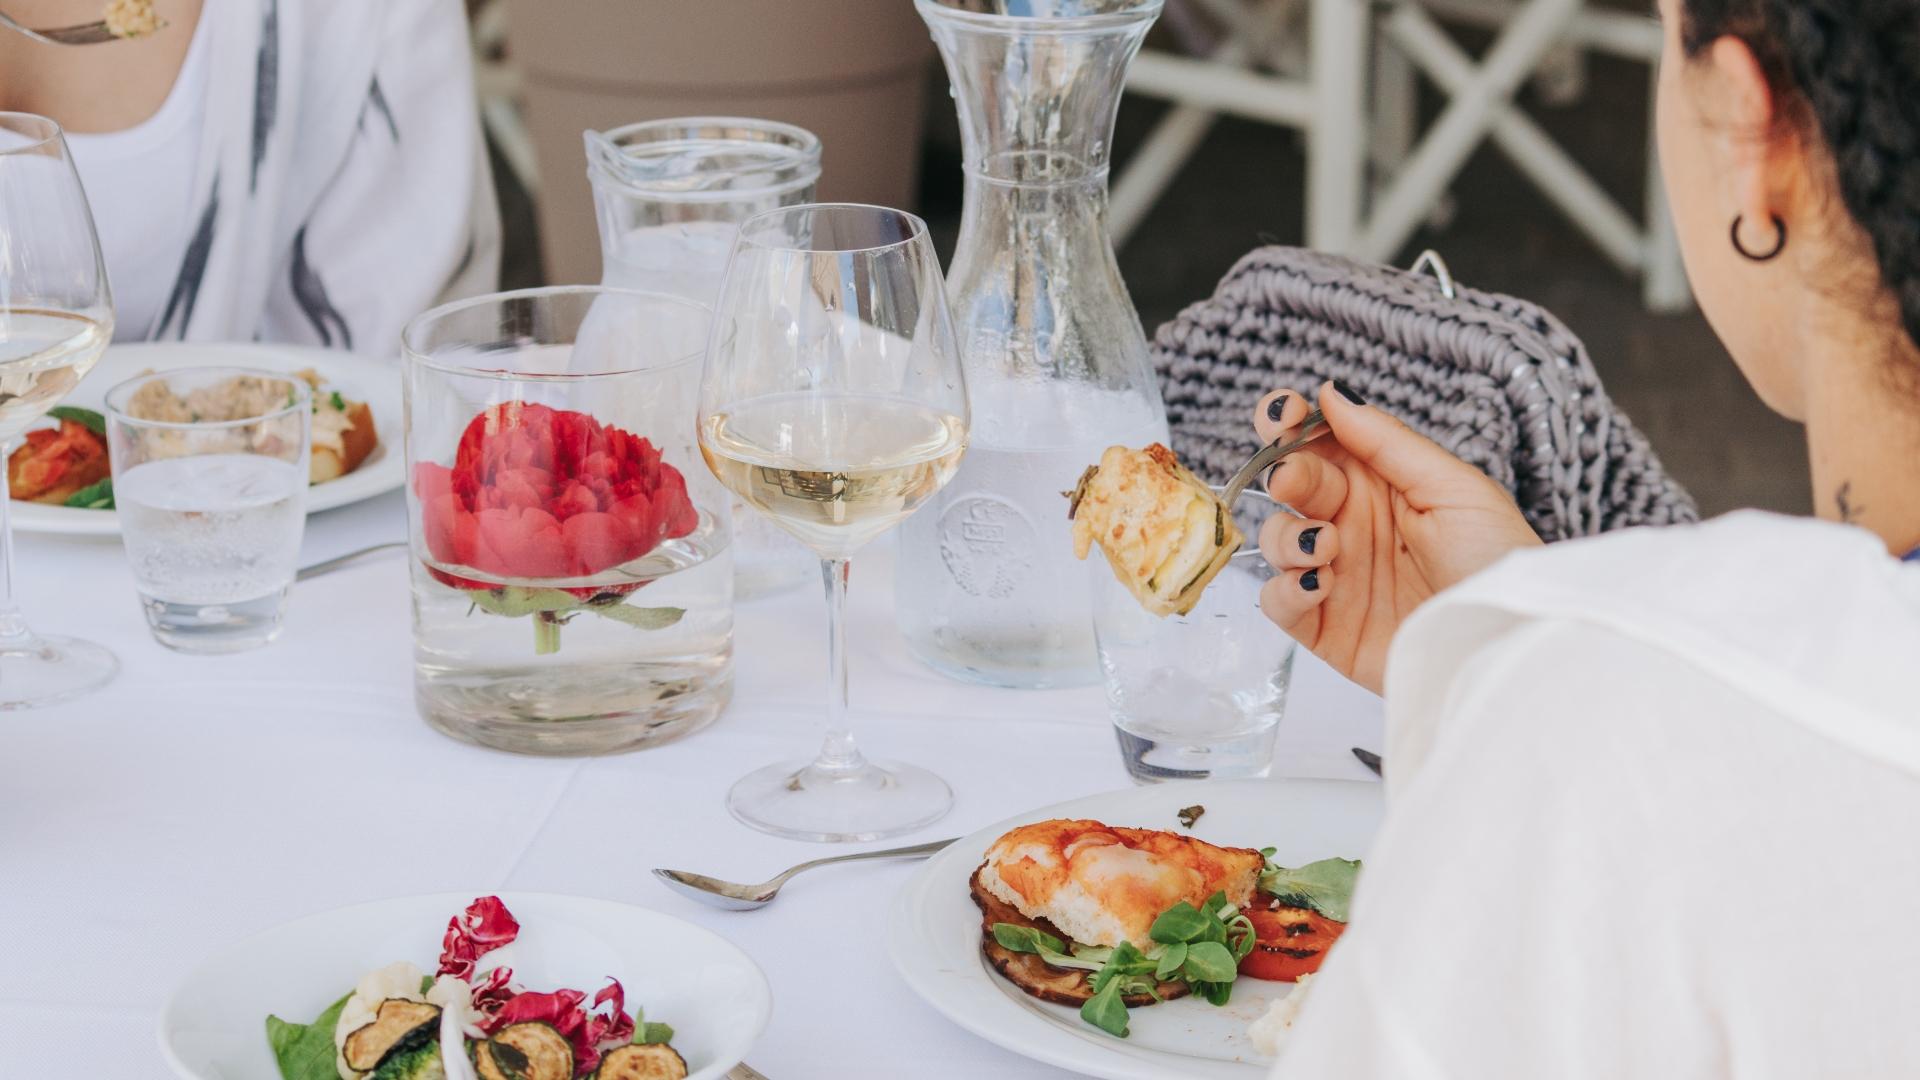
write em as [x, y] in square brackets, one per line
[546, 633]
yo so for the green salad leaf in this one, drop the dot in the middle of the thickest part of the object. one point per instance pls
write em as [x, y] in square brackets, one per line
[306, 1051]
[1325, 886]
[94, 496]
[646, 1032]
[86, 418]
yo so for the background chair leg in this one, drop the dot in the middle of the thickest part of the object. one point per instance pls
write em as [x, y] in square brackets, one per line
[1337, 137]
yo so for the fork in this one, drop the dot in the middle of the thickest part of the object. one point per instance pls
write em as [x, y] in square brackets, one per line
[93, 33]
[1312, 428]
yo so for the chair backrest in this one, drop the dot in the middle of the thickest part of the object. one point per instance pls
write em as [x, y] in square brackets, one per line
[1495, 379]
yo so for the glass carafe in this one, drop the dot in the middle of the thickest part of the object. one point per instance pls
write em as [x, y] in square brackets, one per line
[669, 196]
[988, 588]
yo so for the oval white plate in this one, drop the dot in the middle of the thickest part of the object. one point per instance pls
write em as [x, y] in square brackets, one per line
[360, 378]
[934, 934]
[214, 1025]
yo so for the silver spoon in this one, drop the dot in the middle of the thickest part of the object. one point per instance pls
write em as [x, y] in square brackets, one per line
[735, 897]
[328, 566]
[1311, 428]
[93, 33]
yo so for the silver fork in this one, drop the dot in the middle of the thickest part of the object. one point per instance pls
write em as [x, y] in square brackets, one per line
[93, 33]
[1312, 428]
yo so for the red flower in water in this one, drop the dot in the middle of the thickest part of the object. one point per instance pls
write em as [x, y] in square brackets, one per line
[544, 493]
[541, 493]
[486, 925]
[589, 1030]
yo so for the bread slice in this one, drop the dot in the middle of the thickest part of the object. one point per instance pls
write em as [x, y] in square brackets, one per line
[356, 443]
[1166, 535]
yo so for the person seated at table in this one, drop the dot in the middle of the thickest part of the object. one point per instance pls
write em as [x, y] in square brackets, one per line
[1653, 796]
[304, 171]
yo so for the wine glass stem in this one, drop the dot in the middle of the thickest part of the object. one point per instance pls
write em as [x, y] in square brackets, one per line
[838, 752]
[14, 631]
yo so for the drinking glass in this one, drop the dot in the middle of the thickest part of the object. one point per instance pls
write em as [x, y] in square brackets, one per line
[1200, 695]
[56, 317]
[833, 402]
[211, 511]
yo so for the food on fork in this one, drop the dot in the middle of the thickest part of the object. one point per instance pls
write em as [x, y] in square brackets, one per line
[131, 18]
[1164, 532]
[1077, 912]
[472, 1021]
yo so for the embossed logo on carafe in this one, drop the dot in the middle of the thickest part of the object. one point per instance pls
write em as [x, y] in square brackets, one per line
[987, 544]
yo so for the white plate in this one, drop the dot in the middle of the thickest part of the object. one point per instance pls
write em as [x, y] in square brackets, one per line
[213, 1027]
[934, 934]
[360, 378]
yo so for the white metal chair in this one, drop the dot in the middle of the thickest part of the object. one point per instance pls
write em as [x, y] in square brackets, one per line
[1350, 125]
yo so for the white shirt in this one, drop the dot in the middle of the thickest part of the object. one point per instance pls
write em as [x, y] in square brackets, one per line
[1654, 810]
[139, 183]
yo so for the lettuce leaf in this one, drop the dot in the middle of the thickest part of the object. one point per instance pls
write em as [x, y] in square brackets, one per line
[1325, 886]
[94, 496]
[306, 1051]
[86, 418]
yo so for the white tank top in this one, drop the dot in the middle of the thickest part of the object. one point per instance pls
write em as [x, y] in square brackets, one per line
[140, 184]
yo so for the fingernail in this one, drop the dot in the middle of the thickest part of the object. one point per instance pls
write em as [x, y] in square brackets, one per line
[1308, 539]
[1277, 408]
[1310, 581]
[1349, 392]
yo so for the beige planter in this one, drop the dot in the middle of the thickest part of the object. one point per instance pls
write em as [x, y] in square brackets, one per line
[854, 72]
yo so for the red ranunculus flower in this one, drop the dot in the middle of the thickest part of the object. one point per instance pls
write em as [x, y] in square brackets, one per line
[537, 493]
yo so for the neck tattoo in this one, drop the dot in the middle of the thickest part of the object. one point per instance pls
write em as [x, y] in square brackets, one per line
[1843, 499]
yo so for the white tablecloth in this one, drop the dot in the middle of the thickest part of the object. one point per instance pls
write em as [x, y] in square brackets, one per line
[198, 800]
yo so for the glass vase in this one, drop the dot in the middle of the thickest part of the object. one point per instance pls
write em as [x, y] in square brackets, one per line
[1055, 357]
[669, 196]
[572, 574]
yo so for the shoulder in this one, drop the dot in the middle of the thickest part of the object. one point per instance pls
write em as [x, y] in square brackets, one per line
[1811, 618]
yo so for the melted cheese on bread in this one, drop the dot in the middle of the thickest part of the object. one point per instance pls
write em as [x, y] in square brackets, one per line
[1164, 532]
[1101, 885]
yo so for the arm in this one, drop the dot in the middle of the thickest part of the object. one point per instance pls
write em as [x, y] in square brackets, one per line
[408, 219]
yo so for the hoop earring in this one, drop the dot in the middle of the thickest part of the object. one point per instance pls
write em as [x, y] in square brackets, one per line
[1779, 245]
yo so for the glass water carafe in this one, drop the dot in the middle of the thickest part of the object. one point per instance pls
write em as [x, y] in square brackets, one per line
[670, 195]
[988, 588]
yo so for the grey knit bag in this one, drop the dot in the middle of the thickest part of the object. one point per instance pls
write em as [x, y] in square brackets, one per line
[1496, 380]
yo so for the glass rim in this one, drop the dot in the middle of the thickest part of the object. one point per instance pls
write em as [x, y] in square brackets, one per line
[53, 132]
[1136, 14]
[917, 225]
[804, 143]
[118, 414]
[412, 354]
[1252, 551]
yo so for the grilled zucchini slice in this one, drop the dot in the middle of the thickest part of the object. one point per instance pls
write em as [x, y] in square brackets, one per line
[654, 1061]
[398, 1024]
[528, 1051]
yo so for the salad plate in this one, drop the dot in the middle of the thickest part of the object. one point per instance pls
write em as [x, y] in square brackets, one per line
[935, 931]
[704, 996]
[355, 377]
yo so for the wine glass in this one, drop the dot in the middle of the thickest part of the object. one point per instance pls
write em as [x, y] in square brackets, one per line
[56, 317]
[833, 402]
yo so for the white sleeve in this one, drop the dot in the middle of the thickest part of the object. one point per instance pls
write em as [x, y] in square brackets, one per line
[408, 219]
[1511, 919]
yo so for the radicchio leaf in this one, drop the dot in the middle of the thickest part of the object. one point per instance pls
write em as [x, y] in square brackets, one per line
[486, 925]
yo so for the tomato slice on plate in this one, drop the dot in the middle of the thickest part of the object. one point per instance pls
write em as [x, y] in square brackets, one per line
[1288, 943]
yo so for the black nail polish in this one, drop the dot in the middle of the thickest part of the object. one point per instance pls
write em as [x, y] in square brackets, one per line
[1308, 539]
[1277, 408]
[1310, 581]
[1349, 392]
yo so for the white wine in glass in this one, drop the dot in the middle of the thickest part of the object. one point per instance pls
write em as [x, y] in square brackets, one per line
[56, 317]
[833, 403]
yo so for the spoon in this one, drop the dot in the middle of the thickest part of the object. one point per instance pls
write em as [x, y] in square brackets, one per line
[735, 897]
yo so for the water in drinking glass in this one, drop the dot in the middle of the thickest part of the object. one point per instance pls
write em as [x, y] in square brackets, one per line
[213, 541]
[42, 355]
[835, 470]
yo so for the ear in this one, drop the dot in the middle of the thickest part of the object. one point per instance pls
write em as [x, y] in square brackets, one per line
[1760, 157]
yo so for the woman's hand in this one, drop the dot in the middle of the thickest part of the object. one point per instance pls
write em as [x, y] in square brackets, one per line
[1390, 519]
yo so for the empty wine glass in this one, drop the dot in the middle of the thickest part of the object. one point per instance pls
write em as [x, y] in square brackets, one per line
[833, 402]
[56, 317]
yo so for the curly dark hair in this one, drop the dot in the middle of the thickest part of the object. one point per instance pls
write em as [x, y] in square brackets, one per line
[1851, 68]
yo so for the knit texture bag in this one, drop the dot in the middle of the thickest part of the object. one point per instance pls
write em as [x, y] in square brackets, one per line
[1497, 380]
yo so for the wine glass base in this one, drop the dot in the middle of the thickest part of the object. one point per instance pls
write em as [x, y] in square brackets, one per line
[53, 669]
[873, 801]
